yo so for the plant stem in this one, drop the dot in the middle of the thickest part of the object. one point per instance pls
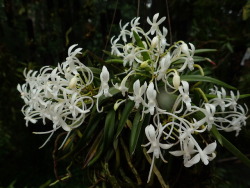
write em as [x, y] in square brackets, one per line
[156, 171]
[134, 171]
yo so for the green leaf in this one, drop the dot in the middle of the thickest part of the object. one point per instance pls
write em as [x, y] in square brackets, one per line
[198, 59]
[135, 135]
[95, 70]
[135, 132]
[95, 151]
[204, 50]
[196, 78]
[125, 113]
[210, 96]
[109, 128]
[97, 156]
[114, 61]
[230, 147]
[140, 44]
[216, 134]
[90, 129]
[244, 96]
[240, 97]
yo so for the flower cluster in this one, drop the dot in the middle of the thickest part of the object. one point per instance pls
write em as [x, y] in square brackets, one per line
[147, 52]
[58, 94]
[155, 76]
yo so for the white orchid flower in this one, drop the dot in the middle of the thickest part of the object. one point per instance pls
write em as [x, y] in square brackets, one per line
[189, 53]
[122, 87]
[235, 120]
[134, 27]
[104, 88]
[72, 59]
[187, 150]
[123, 31]
[163, 40]
[165, 63]
[155, 24]
[205, 155]
[152, 103]
[115, 46]
[184, 91]
[155, 145]
[220, 99]
[209, 113]
[138, 92]
[209, 118]
[233, 102]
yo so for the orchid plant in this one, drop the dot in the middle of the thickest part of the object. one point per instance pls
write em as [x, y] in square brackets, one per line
[145, 84]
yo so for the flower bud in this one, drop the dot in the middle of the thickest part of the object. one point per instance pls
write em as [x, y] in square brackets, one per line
[145, 44]
[150, 132]
[116, 106]
[144, 64]
[176, 80]
[73, 82]
[104, 76]
[118, 103]
[154, 42]
[184, 48]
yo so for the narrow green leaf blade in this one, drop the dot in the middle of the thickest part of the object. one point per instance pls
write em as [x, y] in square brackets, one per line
[97, 155]
[114, 61]
[244, 96]
[204, 50]
[230, 147]
[90, 129]
[196, 78]
[140, 44]
[109, 128]
[135, 132]
[137, 138]
[95, 70]
[216, 134]
[240, 97]
[95, 151]
[125, 113]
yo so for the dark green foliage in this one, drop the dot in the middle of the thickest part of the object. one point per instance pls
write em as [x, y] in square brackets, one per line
[34, 33]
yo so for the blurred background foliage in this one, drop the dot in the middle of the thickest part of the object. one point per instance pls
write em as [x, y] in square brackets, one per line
[34, 33]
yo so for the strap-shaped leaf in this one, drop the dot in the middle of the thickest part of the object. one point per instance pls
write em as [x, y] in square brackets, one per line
[240, 97]
[244, 96]
[97, 155]
[140, 44]
[90, 129]
[216, 134]
[124, 116]
[135, 132]
[95, 70]
[138, 124]
[230, 147]
[94, 151]
[204, 50]
[120, 61]
[109, 128]
[196, 78]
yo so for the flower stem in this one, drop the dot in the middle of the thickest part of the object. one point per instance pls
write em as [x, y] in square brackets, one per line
[202, 94]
